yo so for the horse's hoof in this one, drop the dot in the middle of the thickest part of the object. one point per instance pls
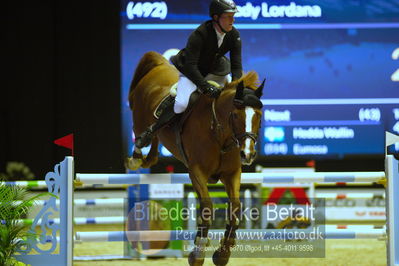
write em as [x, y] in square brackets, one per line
[194, 259]
[133, 163]
[221, 257]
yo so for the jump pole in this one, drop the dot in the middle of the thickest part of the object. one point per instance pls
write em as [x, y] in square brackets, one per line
[245, 234]
[112, 202]
[258, 178]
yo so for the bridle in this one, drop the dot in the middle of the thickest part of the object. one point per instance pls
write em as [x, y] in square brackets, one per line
[236, 138]
[240, 137]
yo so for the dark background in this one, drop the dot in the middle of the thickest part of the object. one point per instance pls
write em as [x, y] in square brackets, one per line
[62, 73]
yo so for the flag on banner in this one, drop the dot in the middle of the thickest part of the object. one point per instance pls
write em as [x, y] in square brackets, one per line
[278, 193]
[390, 138]
[66, 142]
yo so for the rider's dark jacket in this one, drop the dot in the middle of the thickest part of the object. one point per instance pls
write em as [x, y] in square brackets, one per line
[201, 55]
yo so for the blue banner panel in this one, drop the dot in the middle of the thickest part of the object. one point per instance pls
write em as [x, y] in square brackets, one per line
[331, 67]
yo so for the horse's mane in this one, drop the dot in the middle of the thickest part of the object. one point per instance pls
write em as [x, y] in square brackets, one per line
[251, 80]
[147, 62]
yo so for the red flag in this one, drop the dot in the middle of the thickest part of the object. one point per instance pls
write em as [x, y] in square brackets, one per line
[66, 142]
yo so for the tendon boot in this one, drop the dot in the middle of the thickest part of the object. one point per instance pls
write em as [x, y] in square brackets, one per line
[167, 116]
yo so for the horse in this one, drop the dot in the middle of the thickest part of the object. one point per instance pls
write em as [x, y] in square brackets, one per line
[218, 137]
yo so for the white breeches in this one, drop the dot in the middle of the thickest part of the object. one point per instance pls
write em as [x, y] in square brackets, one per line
[185, 87]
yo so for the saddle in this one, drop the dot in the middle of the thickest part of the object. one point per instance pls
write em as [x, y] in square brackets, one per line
[178, 123]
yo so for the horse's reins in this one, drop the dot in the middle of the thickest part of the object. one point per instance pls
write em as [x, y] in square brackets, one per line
[236, 138]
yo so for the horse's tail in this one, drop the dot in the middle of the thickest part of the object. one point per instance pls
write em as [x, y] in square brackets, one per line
[147, 62]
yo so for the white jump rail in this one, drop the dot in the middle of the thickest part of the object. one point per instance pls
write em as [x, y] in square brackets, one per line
[110, 202]
[247, 234]
[78, 220]
[353, 195]
[251, 178]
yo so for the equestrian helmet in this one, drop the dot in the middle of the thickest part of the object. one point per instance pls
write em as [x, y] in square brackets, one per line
[218, 7]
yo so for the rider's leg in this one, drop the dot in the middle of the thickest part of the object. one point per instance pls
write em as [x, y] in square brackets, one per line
[166, 117]
[184, 89]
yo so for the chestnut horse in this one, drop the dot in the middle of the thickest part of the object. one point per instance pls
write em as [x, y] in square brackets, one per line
[217, 139]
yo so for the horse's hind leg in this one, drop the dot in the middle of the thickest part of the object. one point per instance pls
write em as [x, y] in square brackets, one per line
[232, 185]
[197, 256]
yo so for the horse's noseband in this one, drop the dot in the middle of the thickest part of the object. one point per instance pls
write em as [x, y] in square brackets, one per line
[245, 135]
[239, 138]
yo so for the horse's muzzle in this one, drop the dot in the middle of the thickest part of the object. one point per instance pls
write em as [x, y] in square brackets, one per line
[247, 158]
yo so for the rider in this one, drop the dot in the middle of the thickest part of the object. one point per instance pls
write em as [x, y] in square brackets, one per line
[201, 60]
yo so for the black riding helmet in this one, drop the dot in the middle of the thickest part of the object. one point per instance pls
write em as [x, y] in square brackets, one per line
[218, 7]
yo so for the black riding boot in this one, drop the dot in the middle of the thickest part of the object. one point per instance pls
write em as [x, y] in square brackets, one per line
[167, 116]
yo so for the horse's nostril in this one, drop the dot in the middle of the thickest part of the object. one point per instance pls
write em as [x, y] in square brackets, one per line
[254, 154]
[242, 153]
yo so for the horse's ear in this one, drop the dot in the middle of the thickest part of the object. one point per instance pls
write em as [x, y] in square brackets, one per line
[239, 91]
[259, 90]
[238, 98]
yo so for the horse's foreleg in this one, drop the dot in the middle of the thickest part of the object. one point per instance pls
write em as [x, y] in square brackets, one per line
[222, 255]
[138, 160]
[152, 157]
[197, 256]
[134, 162]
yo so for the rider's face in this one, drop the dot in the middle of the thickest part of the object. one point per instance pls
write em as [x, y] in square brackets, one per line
[226, 20]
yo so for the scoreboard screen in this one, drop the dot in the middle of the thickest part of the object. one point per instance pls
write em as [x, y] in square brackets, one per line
[331, 68]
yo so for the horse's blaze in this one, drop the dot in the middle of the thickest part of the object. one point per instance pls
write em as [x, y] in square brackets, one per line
[249, 147]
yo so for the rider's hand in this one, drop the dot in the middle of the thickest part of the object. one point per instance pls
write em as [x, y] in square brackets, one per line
[211, 91]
